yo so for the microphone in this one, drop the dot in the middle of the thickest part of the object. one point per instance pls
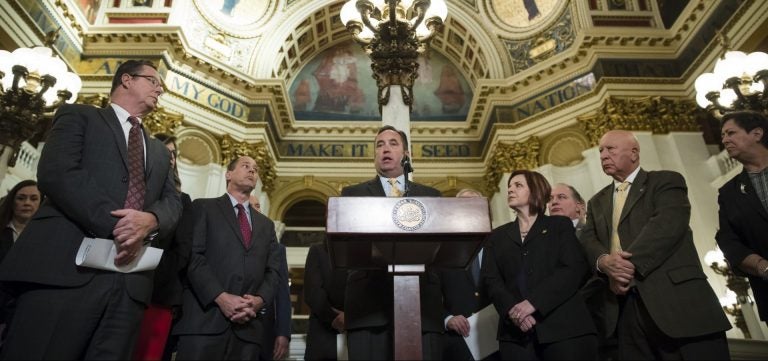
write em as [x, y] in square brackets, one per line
[407, 168]
[406, 164]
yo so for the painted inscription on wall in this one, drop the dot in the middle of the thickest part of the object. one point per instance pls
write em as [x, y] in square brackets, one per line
[363, 150]
[546, 100]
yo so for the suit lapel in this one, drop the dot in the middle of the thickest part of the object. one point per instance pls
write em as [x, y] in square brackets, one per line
[375, 188]
[225, 205]
[636, 191]
[604, 210]
[254, 213]
[746, 190]
[110, 118]
[514, 233]
[151, 153]
[538, 228]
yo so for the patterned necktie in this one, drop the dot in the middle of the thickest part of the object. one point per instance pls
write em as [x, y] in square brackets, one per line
[137, 187]
[618, 206]
[245, 226]
[395, 191]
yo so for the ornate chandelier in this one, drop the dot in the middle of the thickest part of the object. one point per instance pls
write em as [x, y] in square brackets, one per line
[34, 83]
[393, 33]
[737, 83]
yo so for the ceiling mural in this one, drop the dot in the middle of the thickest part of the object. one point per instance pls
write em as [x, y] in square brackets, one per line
[338, 85]
[526, 13]
[241, 18]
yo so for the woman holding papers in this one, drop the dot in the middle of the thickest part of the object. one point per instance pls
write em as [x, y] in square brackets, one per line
[532, 271]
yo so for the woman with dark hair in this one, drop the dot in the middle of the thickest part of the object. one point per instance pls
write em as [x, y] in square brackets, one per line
[153, 342]
[533, 270]
[15, 211]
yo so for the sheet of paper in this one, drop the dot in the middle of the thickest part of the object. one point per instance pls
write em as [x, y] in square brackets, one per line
[341, 347]
[100, 253]
[483, 327]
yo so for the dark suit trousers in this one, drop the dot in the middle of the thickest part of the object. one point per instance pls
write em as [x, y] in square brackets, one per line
[224, 346]
[96, 321]
[577, 348]
[641, 339]
[377, 344]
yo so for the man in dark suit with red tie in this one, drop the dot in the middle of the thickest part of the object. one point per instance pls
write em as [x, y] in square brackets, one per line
[233, 270]
[103, 177]
[368, 300]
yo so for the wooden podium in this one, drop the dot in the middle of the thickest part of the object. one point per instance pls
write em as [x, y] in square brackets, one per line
[403, 236]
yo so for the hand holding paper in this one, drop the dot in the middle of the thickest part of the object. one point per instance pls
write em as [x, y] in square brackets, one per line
[100, 253]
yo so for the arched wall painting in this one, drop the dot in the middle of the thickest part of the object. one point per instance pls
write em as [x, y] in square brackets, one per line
[338, 85]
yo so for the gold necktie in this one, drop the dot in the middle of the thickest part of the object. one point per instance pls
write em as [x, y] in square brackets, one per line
[618, 206]
[395, 191]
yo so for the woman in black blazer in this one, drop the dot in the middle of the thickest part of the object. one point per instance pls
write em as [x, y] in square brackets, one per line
[533, 270]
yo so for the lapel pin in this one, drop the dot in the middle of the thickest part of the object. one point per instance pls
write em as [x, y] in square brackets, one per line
[743, 188]
[543, 231]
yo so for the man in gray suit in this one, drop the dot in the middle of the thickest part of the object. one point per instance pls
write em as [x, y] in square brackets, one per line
[103, 177]
[662, 306]
[233, 269]
[368, 298]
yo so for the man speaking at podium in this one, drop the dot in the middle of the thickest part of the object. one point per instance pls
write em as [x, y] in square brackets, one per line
[368, 304]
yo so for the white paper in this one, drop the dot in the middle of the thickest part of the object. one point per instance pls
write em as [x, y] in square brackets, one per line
[483, 327]
[341, 347]
[100, 253]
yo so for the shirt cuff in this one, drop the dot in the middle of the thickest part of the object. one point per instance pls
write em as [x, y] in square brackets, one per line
[597, 262]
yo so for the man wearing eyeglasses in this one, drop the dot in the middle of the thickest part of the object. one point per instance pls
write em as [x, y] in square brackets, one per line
[105, 178]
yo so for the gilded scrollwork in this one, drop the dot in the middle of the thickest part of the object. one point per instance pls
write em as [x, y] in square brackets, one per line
[230, 149]
[508, 157]
[657, 114]
[162, 120]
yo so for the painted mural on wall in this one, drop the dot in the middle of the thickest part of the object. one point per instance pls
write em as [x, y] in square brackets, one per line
[337, 85]
[89, 8]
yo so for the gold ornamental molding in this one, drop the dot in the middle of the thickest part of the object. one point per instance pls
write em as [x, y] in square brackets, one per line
[162, 120]
[508, 157]
[659, 115]
[231, 149]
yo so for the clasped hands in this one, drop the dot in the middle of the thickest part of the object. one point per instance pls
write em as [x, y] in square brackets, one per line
[338, 321]
[521, 315]
[620, 271]
[239, 309]
[130, 231]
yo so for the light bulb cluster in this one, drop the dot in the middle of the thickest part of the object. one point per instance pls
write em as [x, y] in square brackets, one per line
[737, 83]
[38, 71]
[367, 18]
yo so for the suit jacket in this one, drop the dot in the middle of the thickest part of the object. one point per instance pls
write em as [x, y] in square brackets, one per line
[653, 226]
[368, 298]
[461, 296]
[83, 171]
[170, 271]
[324, 289]
[743, 226]
[554, 268]
[277, 313]
[221, 263]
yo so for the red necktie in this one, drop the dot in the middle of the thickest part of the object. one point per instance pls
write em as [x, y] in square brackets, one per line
[245, 227]
[136, 183]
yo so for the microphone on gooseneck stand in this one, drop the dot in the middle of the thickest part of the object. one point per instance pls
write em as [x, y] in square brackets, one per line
[407, 168]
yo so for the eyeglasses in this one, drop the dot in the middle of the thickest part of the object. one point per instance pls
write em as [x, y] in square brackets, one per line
[155, 82]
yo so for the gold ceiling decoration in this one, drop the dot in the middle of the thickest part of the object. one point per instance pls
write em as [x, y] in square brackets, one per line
[231, 149]
[659, 115]
[162, 120]
[507, 157]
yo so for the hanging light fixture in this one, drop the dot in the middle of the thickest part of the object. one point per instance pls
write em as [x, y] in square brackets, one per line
[393, 33]
[33, 84]
[737, 83]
